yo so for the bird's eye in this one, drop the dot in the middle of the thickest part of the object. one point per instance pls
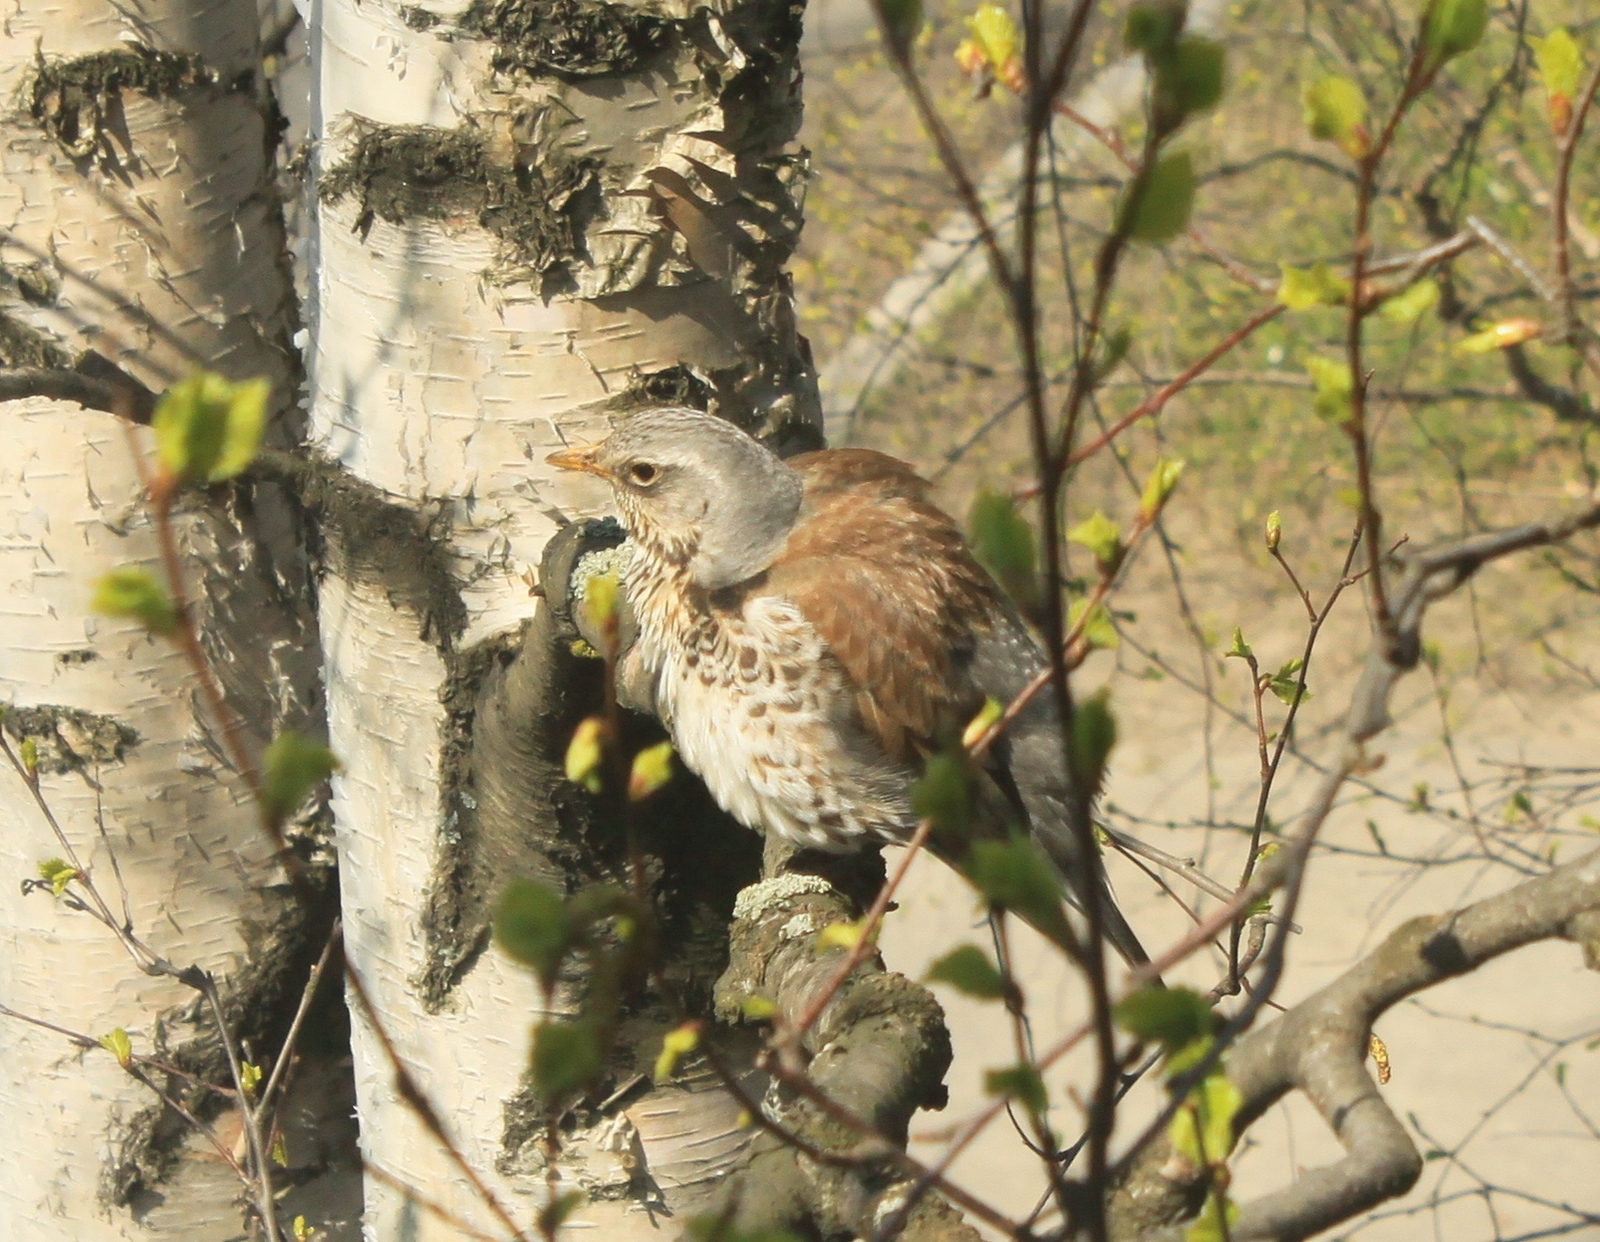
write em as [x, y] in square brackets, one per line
[643, 473]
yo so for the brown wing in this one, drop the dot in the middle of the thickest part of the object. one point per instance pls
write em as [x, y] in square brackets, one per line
[889, 584]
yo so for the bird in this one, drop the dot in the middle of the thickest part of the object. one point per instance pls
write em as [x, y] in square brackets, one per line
[814, 629]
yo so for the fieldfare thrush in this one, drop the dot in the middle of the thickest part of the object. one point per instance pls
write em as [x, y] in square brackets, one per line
[813, 629]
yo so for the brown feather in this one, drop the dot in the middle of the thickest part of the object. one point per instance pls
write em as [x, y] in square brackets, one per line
[888, 582]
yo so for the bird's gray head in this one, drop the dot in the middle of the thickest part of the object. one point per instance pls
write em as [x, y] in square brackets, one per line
[693, 486]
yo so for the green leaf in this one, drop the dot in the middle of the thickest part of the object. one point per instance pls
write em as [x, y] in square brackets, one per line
[1303, 288]
[1160, 211]
[531, 923]
[1412, 303]
[1021, 1083]
[249, 1077]
[1334, 385]
[601, 595]
[291, 768]
[1197, 75]
[29, 754]
[1202, 1130]
[280, 1151]
[757, 1009]
[117, 1043]
[1152, 27]
[585, 752]
[1561, 70]
[1173, 1017]
[57, 872]
[652, 769]
[1274, 533]
[208, 429]
[134, 594]
[566, 1057]
[968, 969]
[1164, 476]
[995, 34]
[1113, 349]
[943, 796]
[1285, 683]
[844, 936]
[1098, 632]
[1209, 1225]
[902, 21]
[1453, 27]
[1502, 335]
[1336, 112]
[1094, 734]
[1013, 874]
[1102, 537]
[675, 1045]
[1240, 649]
[1002, 539]
[987, 716]
[555, 1213]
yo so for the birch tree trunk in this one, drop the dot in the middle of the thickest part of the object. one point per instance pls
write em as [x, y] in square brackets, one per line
[141, 238]
[535, 217]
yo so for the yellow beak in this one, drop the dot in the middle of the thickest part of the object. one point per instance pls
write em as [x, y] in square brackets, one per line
[579, 459]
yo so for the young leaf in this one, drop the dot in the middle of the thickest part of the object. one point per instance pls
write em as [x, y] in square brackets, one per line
[1303, 288]
[1334, 385]
[988, 714]
[1173, 1017]
[1202, 1130]
[566, 1056]
[116, 1042]
[249, 1077]
[1199, 74]
[1218, 1215]
[676, 1045]
[1285, 684]
[1164, 476]
[1152, 27]
[208, 429]
[995, 35]
[1336, 112]
[29, 754]
[841, 935]
[57, 872]
[1098, 632]
[531, 923]
[1094, 733]
[1453, 27]
[652, 769]
[601, 594]
[1412, 303]
[1240, 649]
[1102, 537]
[1015, 875]
[1561, 70]
[1002, 540]
[291, 768]
[942, 795]
[280, 1150]
[1274, 537]
[585, 752]
[968, 969]
[555, 1213]
[134, 594]
[757, 1009]
[1021, 1083]
[1502, 335]
[902, 20]
[1161, 210]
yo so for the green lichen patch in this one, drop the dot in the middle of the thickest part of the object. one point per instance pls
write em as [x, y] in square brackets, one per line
[72, 99]
[408, 172]
[69, 739]
[568, 38]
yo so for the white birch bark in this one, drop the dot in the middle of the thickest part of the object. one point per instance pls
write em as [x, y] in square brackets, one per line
[447, 366]
[155, 244]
